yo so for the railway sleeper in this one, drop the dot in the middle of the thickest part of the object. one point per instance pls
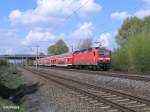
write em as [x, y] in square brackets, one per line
[136, 105]
[115, 98]
[146, 109]
[107, 103]
[113, 110]
[109, 96]
[123, 100]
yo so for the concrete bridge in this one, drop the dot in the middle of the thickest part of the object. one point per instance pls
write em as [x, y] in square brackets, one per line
[20, 56]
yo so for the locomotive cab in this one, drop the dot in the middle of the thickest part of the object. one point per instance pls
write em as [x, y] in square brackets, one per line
[104, 60]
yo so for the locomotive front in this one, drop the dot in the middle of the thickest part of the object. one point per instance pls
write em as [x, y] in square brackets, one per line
[105, 59]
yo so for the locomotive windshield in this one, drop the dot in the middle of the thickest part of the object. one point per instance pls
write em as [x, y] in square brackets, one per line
[104, 53]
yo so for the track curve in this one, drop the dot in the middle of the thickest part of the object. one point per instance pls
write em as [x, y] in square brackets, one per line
[114, 99]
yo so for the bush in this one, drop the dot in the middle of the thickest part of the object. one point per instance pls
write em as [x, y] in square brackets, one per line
[9, 79]
[134, 56]
[3, 62]
[4, 102]
[120, 59]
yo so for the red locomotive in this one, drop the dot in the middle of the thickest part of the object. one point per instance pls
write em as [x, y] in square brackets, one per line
[92, 58]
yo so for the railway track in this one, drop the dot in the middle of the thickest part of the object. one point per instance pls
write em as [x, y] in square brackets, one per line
[103, 73]
[107, 99]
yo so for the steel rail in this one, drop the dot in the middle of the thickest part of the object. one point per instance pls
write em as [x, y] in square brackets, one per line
[99, 98]
[144, 78]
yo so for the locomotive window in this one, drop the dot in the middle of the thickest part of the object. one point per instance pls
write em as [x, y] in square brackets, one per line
[90, 49]
[76, 52]
[96, 47]
[84, 50]
[104, 53]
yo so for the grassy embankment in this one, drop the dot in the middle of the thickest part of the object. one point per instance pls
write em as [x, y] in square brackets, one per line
[10, 77]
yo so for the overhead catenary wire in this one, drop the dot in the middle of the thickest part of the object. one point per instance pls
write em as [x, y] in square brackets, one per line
[104, 24]
[74, 12]
[69, 16]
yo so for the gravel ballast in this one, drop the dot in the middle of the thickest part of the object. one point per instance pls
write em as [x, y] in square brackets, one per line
[138, 88]
[52, 97]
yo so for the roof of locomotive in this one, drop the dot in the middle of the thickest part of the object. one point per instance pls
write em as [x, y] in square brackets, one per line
[88, 50]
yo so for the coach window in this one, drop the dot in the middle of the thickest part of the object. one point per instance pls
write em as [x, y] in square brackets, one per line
[94, 53]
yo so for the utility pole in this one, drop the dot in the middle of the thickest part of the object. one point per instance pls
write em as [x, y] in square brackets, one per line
[72, 48]
[78, 47]
[26, 61]
[22, 60]
[14, 61]
[37, 48]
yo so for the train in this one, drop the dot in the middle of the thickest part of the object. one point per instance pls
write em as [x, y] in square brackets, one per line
[92, 58]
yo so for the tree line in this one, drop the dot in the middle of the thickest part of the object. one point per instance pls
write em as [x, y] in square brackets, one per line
[61, 47]
[133, 39]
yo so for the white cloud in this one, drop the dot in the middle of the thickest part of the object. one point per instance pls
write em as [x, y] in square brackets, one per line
[147, 2]
[83, 31]
[50, 14]
[120, 15]
[10, 42]
[53, 12]
[37, 37]
[90, 8]
[123, 15]
[142, 13]
[139, 13]
[9, 51]
[108, 40]
[14, 44]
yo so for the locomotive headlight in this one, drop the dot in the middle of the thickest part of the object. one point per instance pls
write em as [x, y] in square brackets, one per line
[101, 58]
[104, 59]
[107, 58]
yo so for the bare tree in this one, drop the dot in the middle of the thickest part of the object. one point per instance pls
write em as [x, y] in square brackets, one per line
[86, 43]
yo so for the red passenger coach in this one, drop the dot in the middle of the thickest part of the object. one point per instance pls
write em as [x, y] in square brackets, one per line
[57, 60]
[46, 61]
[93, 58]
[64, 60]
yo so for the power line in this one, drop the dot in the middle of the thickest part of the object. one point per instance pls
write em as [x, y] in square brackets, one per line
[69, 16]
[75, 11]
[104, 24]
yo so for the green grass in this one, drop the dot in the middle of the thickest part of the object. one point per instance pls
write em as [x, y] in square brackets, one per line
[8, 106]
[10, 77]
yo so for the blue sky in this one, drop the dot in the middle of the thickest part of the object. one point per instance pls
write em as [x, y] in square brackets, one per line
[25, 24]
